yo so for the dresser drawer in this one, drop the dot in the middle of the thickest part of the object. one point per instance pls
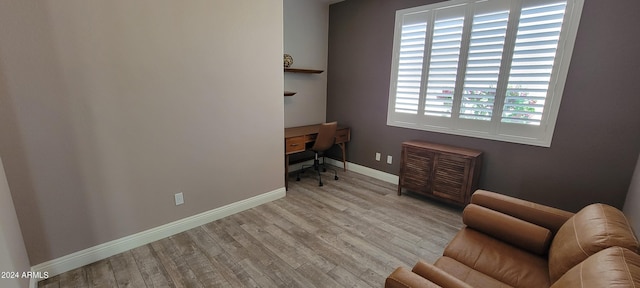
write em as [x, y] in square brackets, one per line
[294, 144]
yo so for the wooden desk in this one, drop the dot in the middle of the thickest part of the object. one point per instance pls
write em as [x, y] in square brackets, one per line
[296, 139]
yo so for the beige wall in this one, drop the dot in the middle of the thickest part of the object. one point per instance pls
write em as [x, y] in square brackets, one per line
[13, 255]
[117, 105]
[306, 25]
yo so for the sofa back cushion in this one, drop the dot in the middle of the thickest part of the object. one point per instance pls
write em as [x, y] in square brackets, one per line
[611, 267]
[592, 229]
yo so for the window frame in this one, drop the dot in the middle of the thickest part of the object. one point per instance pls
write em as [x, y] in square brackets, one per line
[537, 135]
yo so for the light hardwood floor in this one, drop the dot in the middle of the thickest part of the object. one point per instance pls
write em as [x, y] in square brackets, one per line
[349, 233]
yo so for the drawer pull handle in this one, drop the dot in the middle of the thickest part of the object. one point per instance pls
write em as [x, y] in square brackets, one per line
[293, 145]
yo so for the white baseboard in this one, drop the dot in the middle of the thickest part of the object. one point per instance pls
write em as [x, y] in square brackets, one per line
[105, 250]
[373, 173]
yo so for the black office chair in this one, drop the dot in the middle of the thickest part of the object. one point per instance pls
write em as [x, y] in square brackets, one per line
[324, 141]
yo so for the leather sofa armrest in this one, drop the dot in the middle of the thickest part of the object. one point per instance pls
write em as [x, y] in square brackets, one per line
[611, 267]
[538, 214]
[403, 278]
[438, 276]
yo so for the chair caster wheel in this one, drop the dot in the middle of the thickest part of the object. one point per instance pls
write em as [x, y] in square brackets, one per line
[297, 178]
[324, 169]
[336, 178]
[320, 184]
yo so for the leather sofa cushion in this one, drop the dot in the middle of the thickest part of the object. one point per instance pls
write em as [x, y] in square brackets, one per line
[497, 259]
[611, 267]
[514, 231]
[594, 228]
[468, 275]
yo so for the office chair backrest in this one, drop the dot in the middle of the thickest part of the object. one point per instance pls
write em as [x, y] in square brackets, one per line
[326, 137]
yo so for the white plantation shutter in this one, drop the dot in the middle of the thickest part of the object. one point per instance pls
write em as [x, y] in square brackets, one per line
[409, 79]
[532, 64]
[493, 69]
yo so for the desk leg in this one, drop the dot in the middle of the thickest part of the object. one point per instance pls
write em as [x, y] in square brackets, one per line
[344, 155]
[286, 172]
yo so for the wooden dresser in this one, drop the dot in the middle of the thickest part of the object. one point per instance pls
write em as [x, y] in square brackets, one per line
[442, 172]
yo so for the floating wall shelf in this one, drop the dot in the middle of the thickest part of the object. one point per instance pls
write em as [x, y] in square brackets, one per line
[297, 70]
[308, 71]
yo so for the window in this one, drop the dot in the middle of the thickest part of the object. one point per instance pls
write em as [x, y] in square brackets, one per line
[492, 69]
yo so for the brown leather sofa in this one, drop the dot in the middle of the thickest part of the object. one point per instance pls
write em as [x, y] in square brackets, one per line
[509, 242]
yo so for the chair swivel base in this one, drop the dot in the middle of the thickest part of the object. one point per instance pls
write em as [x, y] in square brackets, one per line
[316, 166]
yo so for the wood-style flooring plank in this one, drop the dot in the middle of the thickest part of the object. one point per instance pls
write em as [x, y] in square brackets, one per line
[171, 258]
[126, 271]
[278, 248]
[240, 277]
[53, 282]
[352, 232]
[100, 274]
[153, 272]
[316, 276]
[74, 278]
[289, 277]
[259, 274]
[373, 278]
[346, 278]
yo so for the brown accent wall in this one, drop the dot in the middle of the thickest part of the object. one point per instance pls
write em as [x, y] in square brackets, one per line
[597, 136]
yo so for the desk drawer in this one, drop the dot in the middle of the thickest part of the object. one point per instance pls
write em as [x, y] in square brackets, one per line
[310, 138]
[343, 135]
[294, 144]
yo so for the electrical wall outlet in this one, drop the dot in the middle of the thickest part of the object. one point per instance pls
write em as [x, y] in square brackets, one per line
[389, 158]
[377, 156]
[179, 197]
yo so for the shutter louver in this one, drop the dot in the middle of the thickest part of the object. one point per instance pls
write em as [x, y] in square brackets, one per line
[443, 66]
[533, 60]
[412, 43]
